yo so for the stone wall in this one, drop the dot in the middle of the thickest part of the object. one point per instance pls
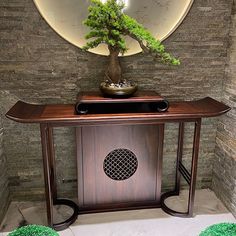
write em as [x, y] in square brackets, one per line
[224, 172]
[37, 65]
[4, 191]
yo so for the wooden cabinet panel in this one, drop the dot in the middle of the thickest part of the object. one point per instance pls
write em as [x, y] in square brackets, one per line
[95, 143]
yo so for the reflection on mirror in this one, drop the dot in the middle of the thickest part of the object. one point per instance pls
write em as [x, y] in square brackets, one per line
[160, 17]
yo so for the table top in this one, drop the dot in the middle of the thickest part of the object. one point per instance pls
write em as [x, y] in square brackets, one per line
[65, 113]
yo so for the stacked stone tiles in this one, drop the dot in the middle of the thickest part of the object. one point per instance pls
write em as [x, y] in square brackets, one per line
[224, 172]
[37, 65]
[4, 191]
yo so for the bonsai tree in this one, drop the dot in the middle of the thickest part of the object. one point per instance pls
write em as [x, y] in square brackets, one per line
[109, 25]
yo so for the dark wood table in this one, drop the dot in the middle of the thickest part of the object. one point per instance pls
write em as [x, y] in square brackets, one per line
[143, 118]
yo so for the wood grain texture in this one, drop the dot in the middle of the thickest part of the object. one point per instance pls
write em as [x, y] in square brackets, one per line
[96, 188]
[29, 113]
[97, 97]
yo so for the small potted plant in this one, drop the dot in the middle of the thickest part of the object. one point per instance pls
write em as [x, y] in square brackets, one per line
[33, 230]
[109, 24]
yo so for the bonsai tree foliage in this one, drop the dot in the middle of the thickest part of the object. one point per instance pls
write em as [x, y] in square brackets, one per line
[109, 25]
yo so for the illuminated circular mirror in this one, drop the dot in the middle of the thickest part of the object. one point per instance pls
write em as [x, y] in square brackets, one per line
[160, 17]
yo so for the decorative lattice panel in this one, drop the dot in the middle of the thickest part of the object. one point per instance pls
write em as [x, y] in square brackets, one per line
[120, 164]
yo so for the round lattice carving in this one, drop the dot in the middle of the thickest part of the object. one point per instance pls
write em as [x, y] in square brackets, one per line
[120, 164]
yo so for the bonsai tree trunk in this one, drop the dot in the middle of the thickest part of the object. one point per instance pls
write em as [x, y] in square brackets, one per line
[114, 68]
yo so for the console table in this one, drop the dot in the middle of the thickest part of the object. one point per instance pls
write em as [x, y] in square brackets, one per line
[143, 122]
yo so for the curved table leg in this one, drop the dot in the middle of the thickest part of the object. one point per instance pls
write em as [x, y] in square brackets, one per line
[65, 224]
[180, 169]
[50, 180]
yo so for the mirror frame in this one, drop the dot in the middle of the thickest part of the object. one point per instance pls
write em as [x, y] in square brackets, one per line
[126, 54]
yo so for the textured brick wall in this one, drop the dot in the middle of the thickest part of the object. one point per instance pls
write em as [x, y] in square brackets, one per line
[37, 65]
[4, 191]
[224, 172]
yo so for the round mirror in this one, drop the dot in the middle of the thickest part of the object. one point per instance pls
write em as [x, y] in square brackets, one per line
[160, 17]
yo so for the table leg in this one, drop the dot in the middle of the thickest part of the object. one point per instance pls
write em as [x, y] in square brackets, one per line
[50, 180]
[180, 169]
[179, 157]
[195, 152]
[52, 164]
[47, 173]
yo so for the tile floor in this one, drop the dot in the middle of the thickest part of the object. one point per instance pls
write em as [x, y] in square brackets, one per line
[152, 222]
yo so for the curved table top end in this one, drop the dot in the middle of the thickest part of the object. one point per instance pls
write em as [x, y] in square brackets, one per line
[32, 113]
